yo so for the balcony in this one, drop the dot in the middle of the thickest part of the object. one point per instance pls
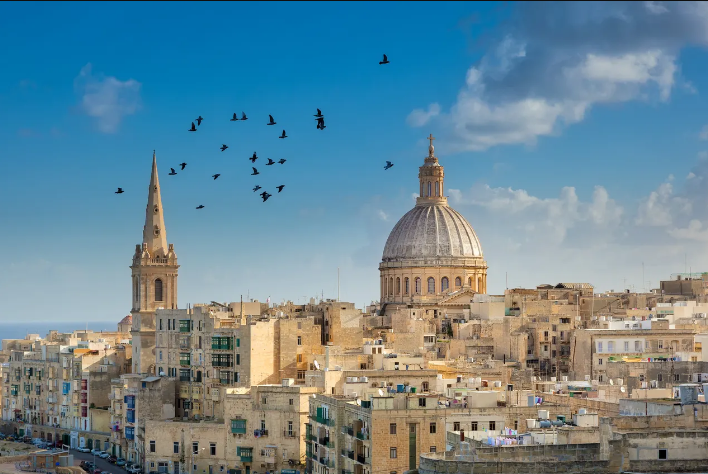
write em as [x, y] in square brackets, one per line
[361, 435]
[360, 458]
[325, 462]
[322, 420]
[312, 438]
[348, 430]
[348, 454]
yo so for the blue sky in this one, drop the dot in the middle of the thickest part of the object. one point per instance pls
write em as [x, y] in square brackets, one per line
[575, 146]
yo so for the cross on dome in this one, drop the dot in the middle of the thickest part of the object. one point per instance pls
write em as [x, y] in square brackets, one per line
[431, 148]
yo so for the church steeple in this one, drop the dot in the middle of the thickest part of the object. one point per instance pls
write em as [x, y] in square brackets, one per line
[154, 233]
[431, 177]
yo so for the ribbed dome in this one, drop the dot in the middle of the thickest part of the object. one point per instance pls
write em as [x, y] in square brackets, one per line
[430, 232]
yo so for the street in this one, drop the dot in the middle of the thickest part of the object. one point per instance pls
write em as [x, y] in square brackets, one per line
[101, 464]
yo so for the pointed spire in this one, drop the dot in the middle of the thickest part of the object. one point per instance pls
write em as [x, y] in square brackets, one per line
[431, 176]
[154, 232]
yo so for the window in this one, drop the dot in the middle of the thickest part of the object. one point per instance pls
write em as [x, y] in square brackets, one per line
[212, 449]
[176, 447]
[392, 428]
[161, 324]
[659, 377]
[264, 400]
[599, 361]
[545, 334]
[676, 378]
[238, 426]
[152, 446]
[626, 346]
[299, 357]
[290, 429]
[437, 188]
[444, 284]
[161, 351]
[611, 346]
[431, 285]
[158, 290]
[417, 286]
[433, 428]
[637, 346]
[456, 426]
[393, 453]
[425, 387]
[238, 359]
[458, 282]
[421, 402]
[291, 402]
[406, 286]
[554, 328]
[263, 425]
[299, 340]
[475, 426]
[301, 375]
[661, 344]
[599, 347]
[195, 447]
[662, 454]
[492, 425]
[599, 378]
[433, 449]
[398, 286]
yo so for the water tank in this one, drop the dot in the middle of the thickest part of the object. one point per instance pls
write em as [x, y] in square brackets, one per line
[531, 424]
[400, 388]
[688, 394]
[553, 379]
[543, 414]
[544, 424]
[582, 411]
[557, 423]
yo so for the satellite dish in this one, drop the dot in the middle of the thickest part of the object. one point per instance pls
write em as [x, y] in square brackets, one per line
[622, 389]
[612, 382]
[317, 365]
[380, 393]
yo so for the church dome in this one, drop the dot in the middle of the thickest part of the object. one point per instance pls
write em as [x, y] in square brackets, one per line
[432, 232]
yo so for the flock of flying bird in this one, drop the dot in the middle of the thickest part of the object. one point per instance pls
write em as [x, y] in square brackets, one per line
[265, 194]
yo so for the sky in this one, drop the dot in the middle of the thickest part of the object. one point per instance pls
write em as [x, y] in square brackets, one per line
[574, 137]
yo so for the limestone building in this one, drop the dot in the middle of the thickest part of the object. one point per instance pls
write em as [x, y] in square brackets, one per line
[432, 251]
[154, 274]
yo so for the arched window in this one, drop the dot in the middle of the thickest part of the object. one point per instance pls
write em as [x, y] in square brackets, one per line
[430, 189]
[458, 282]
[431, 286]
[158, 290]
[418, 288]
[444, 284]
[390, 286]
[407, 287]
[398, 286]
[479, 285]
[469, 282]
[437, 188]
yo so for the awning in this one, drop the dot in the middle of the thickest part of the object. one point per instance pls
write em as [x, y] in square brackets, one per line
[150, 379]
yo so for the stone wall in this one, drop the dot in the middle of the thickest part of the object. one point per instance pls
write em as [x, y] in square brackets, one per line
[600, 407]
[449, 465]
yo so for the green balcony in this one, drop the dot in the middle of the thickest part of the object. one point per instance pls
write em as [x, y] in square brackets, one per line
[362, 436]
[238, 426]
[185, 325]
[311, 437]
[246, 454]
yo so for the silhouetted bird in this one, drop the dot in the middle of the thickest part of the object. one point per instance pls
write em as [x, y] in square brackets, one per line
[319, 113]
[243, 116]
[283, 135]
[215, 176]
[200, 207]
[183, 165]
[235, 118]
[282, 160]
[265, 196]
[120, 191]
[224, 147]
[172, 172]
[388, 165]
[385, 60]
[320, 123]
[193, 129]
[280, 188]
[270, 162]
[255, 172]
[199, 120]
[272, 122]
[256, 188]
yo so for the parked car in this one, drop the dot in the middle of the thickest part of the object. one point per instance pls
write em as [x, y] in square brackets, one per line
[95, 452]
[103, 455]
[134, 469]
[83, 450]
[111, 459]
[120, 462]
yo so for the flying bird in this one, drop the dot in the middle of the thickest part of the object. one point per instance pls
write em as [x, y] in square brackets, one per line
[243, 116]
[215, 176]
[283, 135]
[224, 147]
[280, 188]
[172, 172]
[319, 113]
[235, 118]
[282, 160]
[256, 188]
[320, 123]
[265, 196]
[272, 122]
[199, 120]
[120, 191]
[388, 165]
[253, 158]
[270, 162]
[183, 165]
[255, 172]
[193, 129]
[200, 206]
[385, 60]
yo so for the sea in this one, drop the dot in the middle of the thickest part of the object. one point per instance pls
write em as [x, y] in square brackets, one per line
[20, 330]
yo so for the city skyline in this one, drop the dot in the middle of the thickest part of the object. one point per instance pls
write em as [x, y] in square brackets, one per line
[570, 167]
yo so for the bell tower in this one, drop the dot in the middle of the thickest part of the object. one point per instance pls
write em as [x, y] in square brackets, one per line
[431, 176]
[154, 276]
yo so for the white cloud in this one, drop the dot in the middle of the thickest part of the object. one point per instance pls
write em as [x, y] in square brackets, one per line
[382, 215]
[661, 207]
[419, 117]
[694, 231]
[107, 99]
[556, 62]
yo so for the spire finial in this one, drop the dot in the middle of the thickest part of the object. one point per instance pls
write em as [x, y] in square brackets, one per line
[431, 148]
